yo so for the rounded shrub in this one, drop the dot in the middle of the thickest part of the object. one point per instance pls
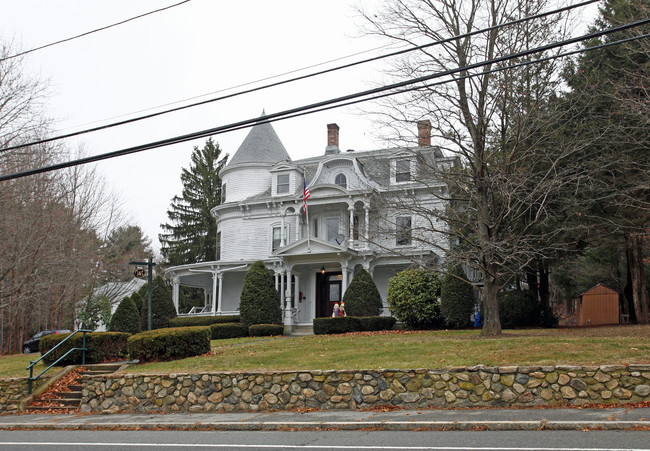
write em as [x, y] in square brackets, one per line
[456, 298]
[259, 300]
[101, 347]
[413, 298]
[518, 309]
[362, 297]
[126, 318]
[170, 343]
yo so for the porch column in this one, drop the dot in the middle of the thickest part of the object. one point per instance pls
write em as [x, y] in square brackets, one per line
[287, 304]
[350, 237]
[296, 294]
[220, 295]
[282, 274]
[276, 281]
[344, 282]
[175, 292]
[366, 207]
[215, 280]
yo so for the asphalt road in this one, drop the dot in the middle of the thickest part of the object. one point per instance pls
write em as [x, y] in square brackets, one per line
[320, 440]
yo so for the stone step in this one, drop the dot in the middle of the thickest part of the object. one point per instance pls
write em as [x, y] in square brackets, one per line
[70, 395]
[302, 330]
[59, 408]
[64, 402]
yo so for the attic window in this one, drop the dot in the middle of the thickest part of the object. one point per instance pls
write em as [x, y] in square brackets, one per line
[283, 184]
[341, 181]
[403, 171]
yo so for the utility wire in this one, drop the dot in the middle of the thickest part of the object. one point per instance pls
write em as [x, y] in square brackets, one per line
[291, 80]
[91, 32]
[307, 109]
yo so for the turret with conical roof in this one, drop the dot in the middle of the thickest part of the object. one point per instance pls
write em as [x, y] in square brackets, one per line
[247, 173]
[262, 145]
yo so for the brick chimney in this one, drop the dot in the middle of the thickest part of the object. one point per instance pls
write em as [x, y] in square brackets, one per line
[332, 139]
[424, 133]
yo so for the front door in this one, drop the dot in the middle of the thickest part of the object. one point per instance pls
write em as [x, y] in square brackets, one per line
[328, 292]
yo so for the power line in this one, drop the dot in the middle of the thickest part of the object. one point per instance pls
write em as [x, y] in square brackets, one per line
[91, 32]
[291, 80]
[332, 103]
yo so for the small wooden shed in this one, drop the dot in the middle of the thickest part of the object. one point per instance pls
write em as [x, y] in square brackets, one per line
[599, 305]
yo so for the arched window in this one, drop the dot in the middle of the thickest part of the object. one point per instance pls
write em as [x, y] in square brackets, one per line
[341, 181]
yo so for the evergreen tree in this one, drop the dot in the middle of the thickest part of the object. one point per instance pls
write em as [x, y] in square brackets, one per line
[362, 297]
[456, 297]
[162, 305]
[608, 104]
[259, 301]
[126, 317]
[190, 236]
[123, 245]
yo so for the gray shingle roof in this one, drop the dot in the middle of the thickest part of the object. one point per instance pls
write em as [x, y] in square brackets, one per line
[261, 145]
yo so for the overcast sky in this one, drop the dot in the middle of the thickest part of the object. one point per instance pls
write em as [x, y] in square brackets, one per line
[194, 49]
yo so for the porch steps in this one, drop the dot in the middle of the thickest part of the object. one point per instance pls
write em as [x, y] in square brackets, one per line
[64, 396]
[299, 331]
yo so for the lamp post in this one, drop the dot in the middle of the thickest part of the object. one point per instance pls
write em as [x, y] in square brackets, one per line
[150, 264]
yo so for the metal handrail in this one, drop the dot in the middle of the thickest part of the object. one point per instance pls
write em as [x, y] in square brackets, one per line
[83, 350]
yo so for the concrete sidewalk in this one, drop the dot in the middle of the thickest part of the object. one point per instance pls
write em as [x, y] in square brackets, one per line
[400, 420]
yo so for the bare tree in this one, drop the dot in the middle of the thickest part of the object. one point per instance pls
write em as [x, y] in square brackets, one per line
[50, 224]
[500, 191]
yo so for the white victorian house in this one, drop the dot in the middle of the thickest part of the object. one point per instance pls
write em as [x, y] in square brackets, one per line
[313, 255]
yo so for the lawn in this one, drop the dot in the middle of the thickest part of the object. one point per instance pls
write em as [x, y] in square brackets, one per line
[423, 349]
[404, 350]
[15, 365]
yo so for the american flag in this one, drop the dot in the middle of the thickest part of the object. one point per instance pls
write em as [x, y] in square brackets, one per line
[305, 195]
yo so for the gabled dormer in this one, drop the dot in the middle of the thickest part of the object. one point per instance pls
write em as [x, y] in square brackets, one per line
[286, 179]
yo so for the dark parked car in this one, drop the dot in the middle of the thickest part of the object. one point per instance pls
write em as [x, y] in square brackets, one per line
[31, 345]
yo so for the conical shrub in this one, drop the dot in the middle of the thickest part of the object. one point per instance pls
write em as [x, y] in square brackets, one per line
[126, 317]
[362, 297]
[259, 302]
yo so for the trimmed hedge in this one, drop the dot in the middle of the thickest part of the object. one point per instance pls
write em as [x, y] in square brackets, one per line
[169, 343]
[344, 324]
[222, 331]
[336, 325]
[265, 330]
[101, 347]
[374, 323]
[189, 321]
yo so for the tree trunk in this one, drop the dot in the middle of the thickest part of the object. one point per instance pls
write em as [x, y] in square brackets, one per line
[634, 252]
[491, 321]
[543, 291]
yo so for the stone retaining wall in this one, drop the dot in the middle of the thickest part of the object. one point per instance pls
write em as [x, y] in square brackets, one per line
[342, 389]
[12, 391]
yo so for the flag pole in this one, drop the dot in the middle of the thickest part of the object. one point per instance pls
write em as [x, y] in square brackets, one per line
[305, 195]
